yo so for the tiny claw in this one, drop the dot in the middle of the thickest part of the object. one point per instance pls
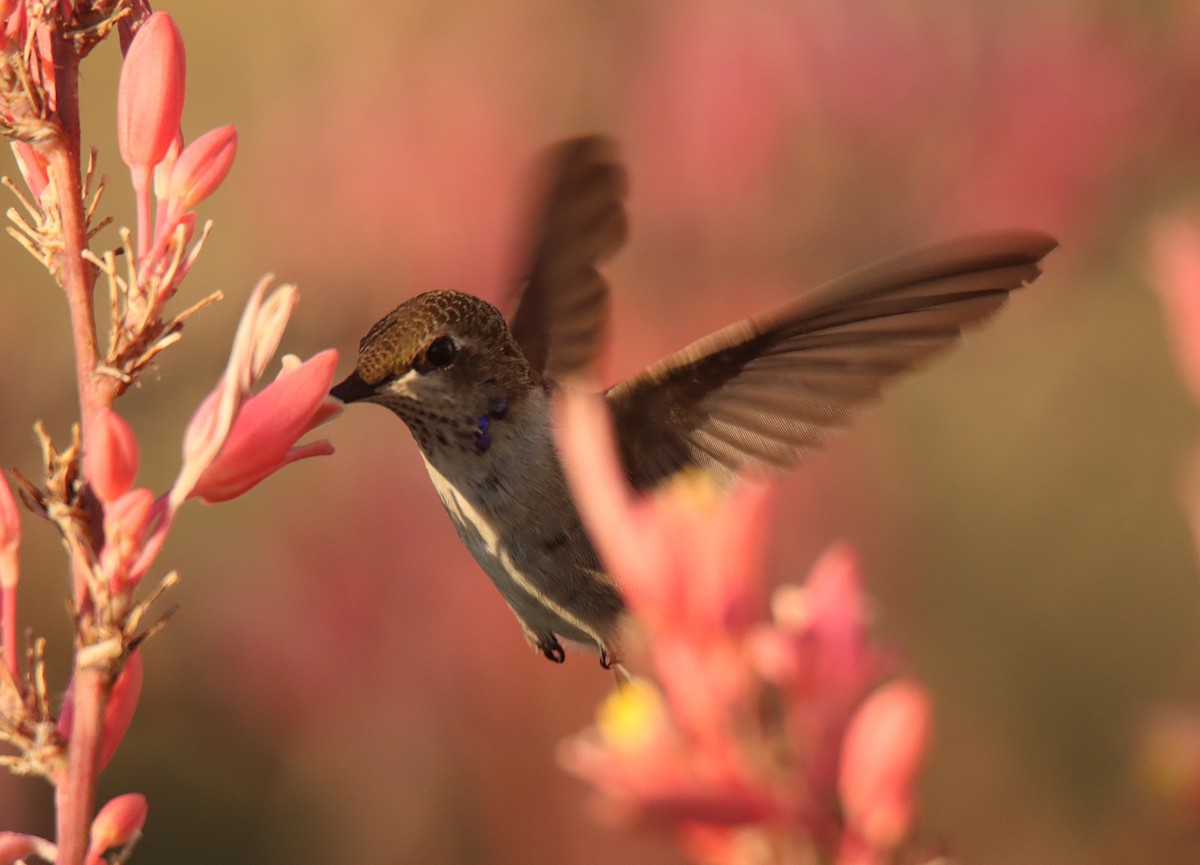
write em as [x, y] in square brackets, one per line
[553, 650]
[607, 660]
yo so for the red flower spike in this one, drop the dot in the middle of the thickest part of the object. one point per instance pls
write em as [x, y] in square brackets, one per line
[110, 457]
[119, 822]
[118, 712]
[882, 752]
[150, 93]
[201, 168]
[267, 427]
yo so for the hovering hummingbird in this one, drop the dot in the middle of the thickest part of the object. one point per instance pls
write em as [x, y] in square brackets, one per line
[475, 390]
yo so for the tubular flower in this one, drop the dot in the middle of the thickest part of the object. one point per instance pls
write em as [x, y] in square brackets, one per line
[264, 433]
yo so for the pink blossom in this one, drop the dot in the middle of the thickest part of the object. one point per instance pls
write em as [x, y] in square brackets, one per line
[648, 769]
[118, 711]
[830, 772]
[110, 458]
[150, 93]
[258, 334]
[118, 824]
[264, 434]
[882, 752]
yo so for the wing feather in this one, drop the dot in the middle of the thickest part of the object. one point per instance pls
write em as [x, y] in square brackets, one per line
[765, 392]
[562, 300]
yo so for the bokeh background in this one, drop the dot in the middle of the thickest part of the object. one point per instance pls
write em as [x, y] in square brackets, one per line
[340, 682]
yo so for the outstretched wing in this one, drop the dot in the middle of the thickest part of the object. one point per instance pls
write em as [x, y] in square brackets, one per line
[563, 299]
[768, 390]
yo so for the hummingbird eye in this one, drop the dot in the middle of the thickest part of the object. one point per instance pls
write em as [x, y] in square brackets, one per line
[441, 352]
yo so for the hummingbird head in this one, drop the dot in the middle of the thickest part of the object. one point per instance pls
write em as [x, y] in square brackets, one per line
[447, 364]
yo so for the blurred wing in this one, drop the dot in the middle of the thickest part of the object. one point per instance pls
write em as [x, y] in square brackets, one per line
[764, 392]
[563, 299]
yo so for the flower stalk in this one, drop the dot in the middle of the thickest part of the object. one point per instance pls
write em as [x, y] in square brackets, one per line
[113, 529]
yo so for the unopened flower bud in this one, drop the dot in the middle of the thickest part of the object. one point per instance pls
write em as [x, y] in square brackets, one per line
[119, 822]
[10, 535]
[150, 93]
[110, 457]
[201, 168]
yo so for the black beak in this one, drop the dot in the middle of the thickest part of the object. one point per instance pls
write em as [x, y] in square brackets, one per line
[352, 389]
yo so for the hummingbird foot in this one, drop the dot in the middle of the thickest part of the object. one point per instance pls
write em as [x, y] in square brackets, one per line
[552, 649]
[609, 660]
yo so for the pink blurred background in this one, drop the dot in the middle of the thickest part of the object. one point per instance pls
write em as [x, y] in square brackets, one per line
[342, 683]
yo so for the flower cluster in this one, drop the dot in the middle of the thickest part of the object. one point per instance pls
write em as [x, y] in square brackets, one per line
[112, 526]
[758, 741]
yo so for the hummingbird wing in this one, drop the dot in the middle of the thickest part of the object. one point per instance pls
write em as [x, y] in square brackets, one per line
[766, 391]
[562, 301]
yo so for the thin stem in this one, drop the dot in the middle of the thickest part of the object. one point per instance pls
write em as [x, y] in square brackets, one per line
[74, 273]
[8, 628]
[75, 787]
[75, 790]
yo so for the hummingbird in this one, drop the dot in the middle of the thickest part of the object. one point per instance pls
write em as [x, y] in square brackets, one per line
[475, 389]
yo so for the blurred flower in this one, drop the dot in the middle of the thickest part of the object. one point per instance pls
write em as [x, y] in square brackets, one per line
[10, 570]
[1168, 758]
[127, 522]
[882, 752]
[10, 535]
[15, 848]
[118, 824]
[110, 458]
[118, 711]
[829, 766]
[1175, 262]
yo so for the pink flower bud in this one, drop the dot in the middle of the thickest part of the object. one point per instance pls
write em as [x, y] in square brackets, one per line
[126, 521]
[119, 822]
[266, 428]
[33, 168]
[118, 711]
[882, 752]
[201, 168]
[15, 848]
[10, 535]
[110, 457]
[150, 93]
